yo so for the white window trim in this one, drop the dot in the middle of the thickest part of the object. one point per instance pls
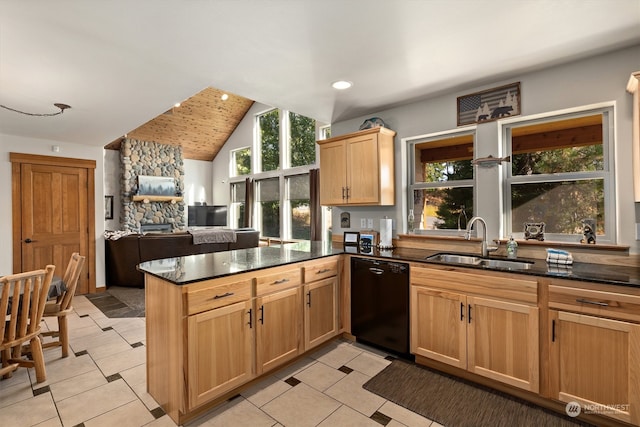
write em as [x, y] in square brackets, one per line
[608, 110]
[408, 170]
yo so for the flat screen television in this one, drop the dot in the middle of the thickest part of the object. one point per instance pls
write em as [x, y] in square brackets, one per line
[207, 216]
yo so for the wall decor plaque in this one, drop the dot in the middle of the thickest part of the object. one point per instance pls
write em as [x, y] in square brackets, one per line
[489, 105]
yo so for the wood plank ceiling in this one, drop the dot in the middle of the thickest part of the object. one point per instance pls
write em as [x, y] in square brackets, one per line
[200, 125]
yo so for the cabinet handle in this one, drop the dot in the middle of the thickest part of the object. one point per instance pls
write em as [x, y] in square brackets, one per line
[281, 281]
[553, 330]
[228, 294]
[309, 298]
[586, 301]
[343, 196]
[461, 311]
[347, 193]
[376, 271]
[261, 315]
[324, 270]
[469, 316]
[250, 323]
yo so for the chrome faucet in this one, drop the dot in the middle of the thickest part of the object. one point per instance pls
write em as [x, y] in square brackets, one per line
[485, 248]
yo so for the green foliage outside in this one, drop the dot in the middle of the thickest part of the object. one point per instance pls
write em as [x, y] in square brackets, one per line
[303, 140]
[270, 140]
[243, 161]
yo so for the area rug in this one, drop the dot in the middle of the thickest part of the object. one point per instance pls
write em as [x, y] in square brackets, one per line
[457, 403]
[119, 301]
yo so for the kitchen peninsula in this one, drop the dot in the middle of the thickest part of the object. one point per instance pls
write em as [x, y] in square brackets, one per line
[217, 321]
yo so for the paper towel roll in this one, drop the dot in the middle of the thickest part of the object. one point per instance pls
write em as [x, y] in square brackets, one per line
[386, 233]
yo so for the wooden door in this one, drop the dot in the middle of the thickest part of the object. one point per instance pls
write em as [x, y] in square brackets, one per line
[439, 326]
[333, 170]
[596, 361]
[320, 312]
[220, 351]
[363, 178]
[53, 214]
[278, 328]
[503, 342]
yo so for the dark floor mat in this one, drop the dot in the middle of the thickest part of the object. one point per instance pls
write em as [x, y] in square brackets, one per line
[119, 302]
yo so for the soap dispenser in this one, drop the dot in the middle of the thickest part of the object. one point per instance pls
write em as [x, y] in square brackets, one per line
[512, 248]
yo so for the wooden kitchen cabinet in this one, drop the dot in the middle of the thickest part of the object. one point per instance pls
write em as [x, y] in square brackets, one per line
[220, 351]
[358, 168]
[595, 348]
[320, 312]
[482, 322]
[278, 317]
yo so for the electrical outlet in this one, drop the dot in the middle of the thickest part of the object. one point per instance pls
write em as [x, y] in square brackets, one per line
[370, 223]
[363, 223]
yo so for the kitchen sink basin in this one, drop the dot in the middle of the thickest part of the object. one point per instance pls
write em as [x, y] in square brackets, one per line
[481, 262]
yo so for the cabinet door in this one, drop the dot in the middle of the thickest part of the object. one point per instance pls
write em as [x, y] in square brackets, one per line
[219, 351]
[503, 342]
[596, 361]
[333, 173]
[438, 325]
[278, 328]
[320, 312]
[363, 177]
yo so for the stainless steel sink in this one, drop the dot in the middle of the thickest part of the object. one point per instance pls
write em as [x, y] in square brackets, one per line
[456, 259]
[506, 264]
[481, 262]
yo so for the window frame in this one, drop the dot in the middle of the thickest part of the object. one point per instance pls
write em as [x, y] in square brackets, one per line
[283, 172]
[412, 185]
[607, 110]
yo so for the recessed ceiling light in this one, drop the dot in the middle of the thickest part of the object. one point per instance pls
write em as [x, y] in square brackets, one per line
[224, 97]
[341, 84]
[177, 104]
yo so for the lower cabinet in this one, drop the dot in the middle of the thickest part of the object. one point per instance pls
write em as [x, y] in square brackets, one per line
[220, 351]
[320, 312]
[488, 336]
[595, 350]
[278, 328]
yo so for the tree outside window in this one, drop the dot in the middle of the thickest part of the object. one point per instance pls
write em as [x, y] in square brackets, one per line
[269, 206]
[302, 142]
[238, 205]
[269, 134]
[241, 162]
[299, 206]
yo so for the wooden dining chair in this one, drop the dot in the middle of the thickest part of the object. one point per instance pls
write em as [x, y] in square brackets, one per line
[62, 305]
[22, 301]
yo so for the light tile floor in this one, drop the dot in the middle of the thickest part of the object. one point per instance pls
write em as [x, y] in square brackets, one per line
[103, 383]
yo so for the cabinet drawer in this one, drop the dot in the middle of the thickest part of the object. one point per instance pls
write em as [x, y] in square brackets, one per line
[596, 302]
[282, 279]
[218, 296]
[320, 270]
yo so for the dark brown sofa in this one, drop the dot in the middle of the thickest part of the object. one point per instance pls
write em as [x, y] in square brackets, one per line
[124, 254]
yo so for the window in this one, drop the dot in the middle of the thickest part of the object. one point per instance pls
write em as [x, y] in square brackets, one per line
[269, 140]
[238, 204]
[241, 162]
[560, 174]
[298, 207]
[268, 199]
[441, 180]
[285, 147]
[302, 140]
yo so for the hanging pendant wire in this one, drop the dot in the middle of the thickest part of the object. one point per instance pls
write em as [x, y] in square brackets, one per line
[62, 107]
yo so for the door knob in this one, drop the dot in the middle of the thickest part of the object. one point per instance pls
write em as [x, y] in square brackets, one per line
[27, 240]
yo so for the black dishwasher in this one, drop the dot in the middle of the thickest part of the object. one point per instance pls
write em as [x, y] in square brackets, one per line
[380, 304]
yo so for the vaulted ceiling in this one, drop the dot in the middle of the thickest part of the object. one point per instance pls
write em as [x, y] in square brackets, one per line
[200, 125]
[121, 64]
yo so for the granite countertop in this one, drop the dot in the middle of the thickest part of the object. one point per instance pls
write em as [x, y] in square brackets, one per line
[194, 268]
[600, 273]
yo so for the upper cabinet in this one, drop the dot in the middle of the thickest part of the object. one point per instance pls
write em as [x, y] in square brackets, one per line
[634, 88]
[358, 169]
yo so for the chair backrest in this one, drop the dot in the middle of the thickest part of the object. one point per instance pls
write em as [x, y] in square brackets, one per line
[70, 279]
[23, 297]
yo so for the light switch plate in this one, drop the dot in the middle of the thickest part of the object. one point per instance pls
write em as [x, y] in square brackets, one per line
[363, 222]
[370, 223]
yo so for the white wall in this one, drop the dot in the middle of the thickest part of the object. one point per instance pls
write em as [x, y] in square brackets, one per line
[15, 144]
[592, 81]
[198, 179]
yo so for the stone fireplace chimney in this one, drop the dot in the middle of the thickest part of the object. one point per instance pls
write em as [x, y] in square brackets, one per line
[150, 159]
